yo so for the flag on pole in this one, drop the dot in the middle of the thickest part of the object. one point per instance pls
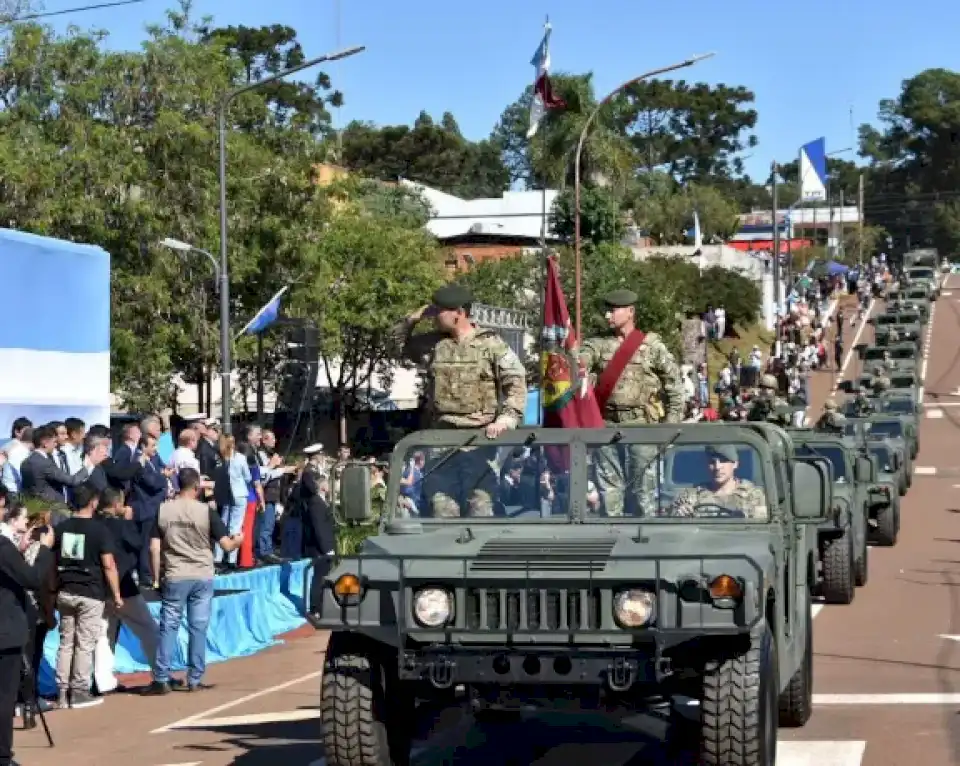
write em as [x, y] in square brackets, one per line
[265, 316]
[567, 396]
[543, 96]
[813, 171]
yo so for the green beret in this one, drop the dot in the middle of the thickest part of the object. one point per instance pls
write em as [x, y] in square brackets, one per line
[620, 298]
[723, 452]
[452, 297]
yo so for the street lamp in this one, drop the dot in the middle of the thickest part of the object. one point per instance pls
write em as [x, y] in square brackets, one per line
[224, 274]
[576, 161]
[185, 247]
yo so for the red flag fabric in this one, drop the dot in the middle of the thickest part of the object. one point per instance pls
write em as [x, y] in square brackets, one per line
[566, 395]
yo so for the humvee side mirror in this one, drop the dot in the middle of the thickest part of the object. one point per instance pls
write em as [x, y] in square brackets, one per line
[355, 502]
[846, 387]
[812, 489]
[863, 470]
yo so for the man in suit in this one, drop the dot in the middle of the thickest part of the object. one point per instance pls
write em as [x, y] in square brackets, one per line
[41, 475]
[149, 490]
[108, 473]
[126, 453]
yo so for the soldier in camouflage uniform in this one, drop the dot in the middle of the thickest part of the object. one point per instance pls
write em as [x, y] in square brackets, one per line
[768, 404]
[650, 390]
[893, 337]
[880, 382]
[726, 490]
[828, 420]
[862, 404]
[474, 381]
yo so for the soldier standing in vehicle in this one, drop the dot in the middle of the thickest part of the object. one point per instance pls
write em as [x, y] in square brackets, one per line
[475, 381]
[724, 493]
[828, 420]
[637, 382]
[766, 405]
[880, 382]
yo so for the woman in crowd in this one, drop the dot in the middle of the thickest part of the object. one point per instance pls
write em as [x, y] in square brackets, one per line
[230, 493]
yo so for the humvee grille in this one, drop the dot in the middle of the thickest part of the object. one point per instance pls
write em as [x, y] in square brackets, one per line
[544, 555]
[554, 609]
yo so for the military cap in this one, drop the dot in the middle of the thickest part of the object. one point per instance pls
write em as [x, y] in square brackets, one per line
[830, 405]
[620, 298]
[452, 297]
[768, 381]
[723, 452]
[313, 449]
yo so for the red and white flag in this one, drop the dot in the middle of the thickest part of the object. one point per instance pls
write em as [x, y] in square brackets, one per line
[543, 96]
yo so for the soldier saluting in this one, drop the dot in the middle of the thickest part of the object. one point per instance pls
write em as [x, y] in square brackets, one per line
[474, 381]
[637, 382]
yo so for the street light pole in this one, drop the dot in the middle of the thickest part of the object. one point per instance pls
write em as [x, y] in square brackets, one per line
[576, 161]
[225, 342]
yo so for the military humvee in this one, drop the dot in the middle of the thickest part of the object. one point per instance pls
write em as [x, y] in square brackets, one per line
[554, 597]
[903, 356]
[843, 534]
[921, 257]
[885, 495]
[907, 324]
[892, 426]
[888, 403]
[924, 275]
[906, 383]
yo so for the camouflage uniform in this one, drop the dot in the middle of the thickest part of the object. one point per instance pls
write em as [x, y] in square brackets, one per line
[830, 420]
[766, 406]
[893, 337]
[471, 383]
[745, 496]
[880, 382]
[650, 390]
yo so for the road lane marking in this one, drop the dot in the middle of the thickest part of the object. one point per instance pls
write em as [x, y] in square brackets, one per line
[924, 470]
[815, 609]
[934, 414]
[235, 703]
[801, 753]
[251, 719]
[949, 637]
[886, 699]
[856, 339]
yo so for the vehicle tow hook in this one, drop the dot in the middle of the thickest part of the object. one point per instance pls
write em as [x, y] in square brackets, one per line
[621, 674]
[441, 673]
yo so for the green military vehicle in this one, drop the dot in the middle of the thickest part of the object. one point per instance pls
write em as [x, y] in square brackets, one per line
[901, 382]
[843, 534]
[555, 597]
[914, 298]
[885, 494]
[907, 324]
[923, 275]
[902, 356]
[927, 256]
[896, 403]
[893, 426]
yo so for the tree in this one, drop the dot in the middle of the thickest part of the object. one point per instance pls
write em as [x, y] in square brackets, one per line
[435, 155]
[914, 166]
[691, 131]
[665, 211]
[601, 219]
[548, 158]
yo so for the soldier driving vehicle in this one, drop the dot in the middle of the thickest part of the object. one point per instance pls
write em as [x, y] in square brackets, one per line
[620, 614]
[637, 382]
[475, 381]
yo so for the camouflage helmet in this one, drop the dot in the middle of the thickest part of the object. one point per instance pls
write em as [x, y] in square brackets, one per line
[830, 405]
[769, 381]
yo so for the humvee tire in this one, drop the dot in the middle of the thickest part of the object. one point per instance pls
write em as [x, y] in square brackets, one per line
[738, 707]
[796, 701]
[838, 576]
[861, 566]
[888, 525]
[360, 727]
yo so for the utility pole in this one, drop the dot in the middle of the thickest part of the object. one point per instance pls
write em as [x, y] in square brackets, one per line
[860, 221]
[841, 250]
[776, 238]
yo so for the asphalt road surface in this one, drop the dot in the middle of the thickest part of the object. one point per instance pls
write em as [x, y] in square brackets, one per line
[887, 667]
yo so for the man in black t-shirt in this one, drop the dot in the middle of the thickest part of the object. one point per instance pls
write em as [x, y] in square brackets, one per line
[85, 564]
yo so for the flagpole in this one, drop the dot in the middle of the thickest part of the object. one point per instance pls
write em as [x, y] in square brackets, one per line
[576, 163]
[541, 343]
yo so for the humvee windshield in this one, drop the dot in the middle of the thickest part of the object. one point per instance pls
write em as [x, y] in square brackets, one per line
[890, 428]
[917, 295]
[884, 456]
[920, 274]
[902, 381]
[885, 319]
[832, 453]
[898, 406]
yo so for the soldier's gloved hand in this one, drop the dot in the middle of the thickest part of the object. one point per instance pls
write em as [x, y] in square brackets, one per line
[494, 430]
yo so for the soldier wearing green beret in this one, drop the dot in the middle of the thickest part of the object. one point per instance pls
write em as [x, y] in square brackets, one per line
[645, 388]
[474, 381]
[725, 492]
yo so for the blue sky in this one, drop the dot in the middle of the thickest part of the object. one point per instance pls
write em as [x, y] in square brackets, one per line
[808, 63]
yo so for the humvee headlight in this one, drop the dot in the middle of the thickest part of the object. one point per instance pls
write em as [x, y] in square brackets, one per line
[634, 608]
[433, 607]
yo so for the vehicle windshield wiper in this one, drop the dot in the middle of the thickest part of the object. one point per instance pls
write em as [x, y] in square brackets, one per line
[451, 452]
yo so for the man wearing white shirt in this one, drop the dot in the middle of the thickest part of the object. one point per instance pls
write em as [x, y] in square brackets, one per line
[73, 448]
[184, 456]
[17, 450]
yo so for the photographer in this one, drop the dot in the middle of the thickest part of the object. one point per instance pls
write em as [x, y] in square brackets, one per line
[17, 580]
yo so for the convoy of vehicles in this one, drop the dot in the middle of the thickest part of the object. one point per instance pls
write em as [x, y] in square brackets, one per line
[553, 599]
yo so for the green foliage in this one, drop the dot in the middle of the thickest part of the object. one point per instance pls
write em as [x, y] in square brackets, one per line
[664, 210]
[601, 219]
[431, 154]
[513, 283]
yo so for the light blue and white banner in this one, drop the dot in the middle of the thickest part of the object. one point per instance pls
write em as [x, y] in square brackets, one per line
[55, 332]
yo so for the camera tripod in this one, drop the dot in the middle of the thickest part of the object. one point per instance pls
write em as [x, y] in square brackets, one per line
[34, 703]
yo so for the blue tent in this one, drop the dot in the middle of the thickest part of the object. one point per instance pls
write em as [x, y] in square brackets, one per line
[834, 268]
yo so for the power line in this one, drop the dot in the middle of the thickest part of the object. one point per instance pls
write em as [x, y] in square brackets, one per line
[65, 11]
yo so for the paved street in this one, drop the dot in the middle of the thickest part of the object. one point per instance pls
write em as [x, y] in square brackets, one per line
[887, 668]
